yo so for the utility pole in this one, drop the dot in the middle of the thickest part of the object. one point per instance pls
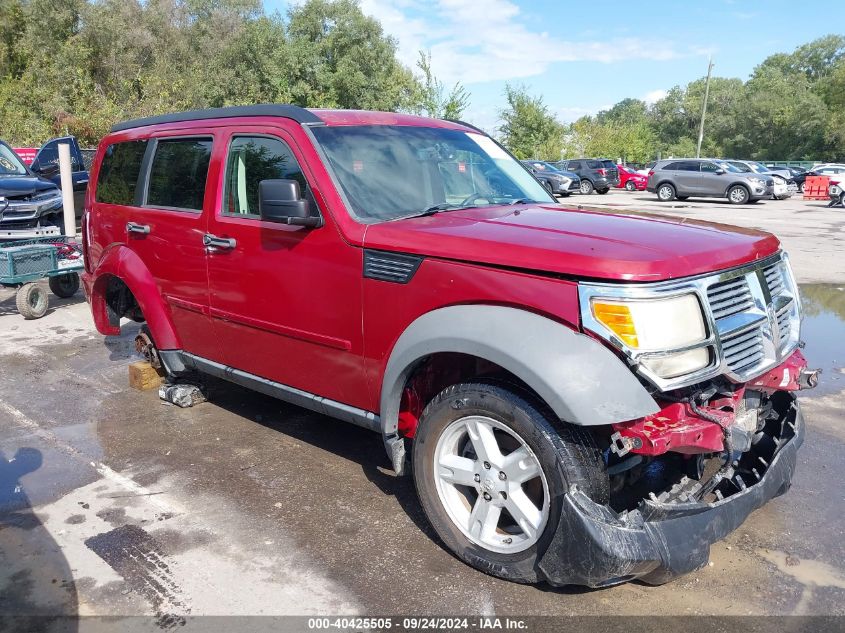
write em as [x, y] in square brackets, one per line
[704, 108]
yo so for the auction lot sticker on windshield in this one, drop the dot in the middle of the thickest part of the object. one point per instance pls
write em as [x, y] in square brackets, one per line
[487, 144]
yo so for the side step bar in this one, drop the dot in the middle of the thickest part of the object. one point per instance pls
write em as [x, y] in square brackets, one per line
[177, 361]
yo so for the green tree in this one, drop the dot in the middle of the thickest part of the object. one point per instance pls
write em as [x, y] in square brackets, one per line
[433, 100]
[528, 129]
[341, 58]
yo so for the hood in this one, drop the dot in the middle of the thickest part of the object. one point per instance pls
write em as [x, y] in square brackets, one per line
[574, 242]
[23, 186]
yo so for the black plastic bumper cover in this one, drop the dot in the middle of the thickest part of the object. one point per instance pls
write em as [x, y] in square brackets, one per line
[596, 547]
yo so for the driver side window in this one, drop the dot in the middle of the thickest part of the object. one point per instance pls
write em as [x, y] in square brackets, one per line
[250, 160]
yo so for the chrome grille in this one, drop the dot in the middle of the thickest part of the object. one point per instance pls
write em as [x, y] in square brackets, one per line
[784, 324]
[774, 279]
[744, 350]
[728, 298]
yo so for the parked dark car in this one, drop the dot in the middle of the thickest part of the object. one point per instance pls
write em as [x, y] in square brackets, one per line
[559, 182]
[46, 165]
[597, 174]
[30, 206]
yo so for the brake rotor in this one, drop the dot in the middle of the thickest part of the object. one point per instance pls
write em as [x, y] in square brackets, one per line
[145, 347]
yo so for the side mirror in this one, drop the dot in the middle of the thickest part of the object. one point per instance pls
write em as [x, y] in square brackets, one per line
[281, 201]
[719, 172]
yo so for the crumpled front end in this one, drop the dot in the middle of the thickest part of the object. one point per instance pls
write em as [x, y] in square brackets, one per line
[669, 534]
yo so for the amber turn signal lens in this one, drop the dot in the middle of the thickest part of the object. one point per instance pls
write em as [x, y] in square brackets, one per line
[617, 318]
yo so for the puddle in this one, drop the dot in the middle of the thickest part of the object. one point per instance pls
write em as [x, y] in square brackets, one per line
[807, 572]
[823, 331]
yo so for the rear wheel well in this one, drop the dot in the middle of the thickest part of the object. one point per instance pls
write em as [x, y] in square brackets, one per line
[121, 302]
[435, 372]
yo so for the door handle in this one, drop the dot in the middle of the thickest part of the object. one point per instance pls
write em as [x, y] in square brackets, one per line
[223, 243]
[143, 229]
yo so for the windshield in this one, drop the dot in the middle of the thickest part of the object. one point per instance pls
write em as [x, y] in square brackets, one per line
[760, 168]
[10, 164]
[389, 172]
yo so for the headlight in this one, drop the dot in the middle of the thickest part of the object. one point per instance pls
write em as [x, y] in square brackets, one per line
[757, 181]
[651, 329]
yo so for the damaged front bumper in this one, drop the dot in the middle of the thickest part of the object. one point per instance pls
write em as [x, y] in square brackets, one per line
[597, 547]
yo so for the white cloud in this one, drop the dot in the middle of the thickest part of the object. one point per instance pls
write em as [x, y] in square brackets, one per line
[655, 95]
[488, 40]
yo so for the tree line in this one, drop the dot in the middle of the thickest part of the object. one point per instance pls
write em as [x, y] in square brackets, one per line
[78, 66]
[792, 107]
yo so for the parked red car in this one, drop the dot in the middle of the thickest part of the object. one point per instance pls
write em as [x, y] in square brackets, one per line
[631, 180]
[588, 397]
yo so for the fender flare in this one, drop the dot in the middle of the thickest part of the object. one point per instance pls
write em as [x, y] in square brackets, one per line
[125, 265]
[580, 379]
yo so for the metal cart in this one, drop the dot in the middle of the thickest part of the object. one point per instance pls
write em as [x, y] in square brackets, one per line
[25, 262]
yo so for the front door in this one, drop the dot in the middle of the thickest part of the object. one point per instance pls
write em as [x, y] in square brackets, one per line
[285, 300]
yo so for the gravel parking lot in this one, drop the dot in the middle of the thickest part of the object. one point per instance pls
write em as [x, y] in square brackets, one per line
[113, 503]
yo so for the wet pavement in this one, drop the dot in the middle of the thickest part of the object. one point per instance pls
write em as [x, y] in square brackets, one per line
[114, 503]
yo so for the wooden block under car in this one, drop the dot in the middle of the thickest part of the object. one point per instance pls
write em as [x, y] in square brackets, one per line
[142, 376]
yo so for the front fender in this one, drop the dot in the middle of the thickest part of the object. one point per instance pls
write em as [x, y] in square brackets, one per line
[582, 381]
[125, 264]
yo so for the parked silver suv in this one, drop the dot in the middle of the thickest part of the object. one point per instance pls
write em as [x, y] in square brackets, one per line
[683, 178]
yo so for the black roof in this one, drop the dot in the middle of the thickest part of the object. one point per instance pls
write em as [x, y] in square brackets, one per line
[300, 115]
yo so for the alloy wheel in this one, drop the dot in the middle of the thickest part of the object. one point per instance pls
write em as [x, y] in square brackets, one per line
[491, 484]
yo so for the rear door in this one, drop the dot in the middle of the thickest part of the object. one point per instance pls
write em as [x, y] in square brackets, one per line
[285, 299]
[165, 229]
[687, 177]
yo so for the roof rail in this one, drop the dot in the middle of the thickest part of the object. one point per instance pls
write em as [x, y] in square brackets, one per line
[298, 114]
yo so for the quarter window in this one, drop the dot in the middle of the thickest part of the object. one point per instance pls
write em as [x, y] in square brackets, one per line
[118, 178]
[178, 173]
[252, 159]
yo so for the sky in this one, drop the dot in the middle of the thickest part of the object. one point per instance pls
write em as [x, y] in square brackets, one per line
[582, 57]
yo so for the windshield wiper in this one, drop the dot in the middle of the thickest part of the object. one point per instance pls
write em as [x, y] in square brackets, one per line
[435, 208]
[524, 201]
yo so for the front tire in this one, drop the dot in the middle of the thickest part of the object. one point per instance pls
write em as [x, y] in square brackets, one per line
[630, 186]
[491, 468]
[666, 192]
[586, 187]
[738, 195]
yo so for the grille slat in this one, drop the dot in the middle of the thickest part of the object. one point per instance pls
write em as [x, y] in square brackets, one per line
[729, 297]
[743, 350]
[774, 279]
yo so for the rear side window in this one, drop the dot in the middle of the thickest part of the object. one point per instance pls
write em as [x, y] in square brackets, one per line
[573, 165]
[688, 165]
[178, 173]
[609, 164]
[119, 170]
[593, 164]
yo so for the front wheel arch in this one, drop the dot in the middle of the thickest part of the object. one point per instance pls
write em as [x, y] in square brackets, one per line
[568, 371]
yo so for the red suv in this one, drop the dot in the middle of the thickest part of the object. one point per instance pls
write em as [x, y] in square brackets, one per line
[586, 397]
